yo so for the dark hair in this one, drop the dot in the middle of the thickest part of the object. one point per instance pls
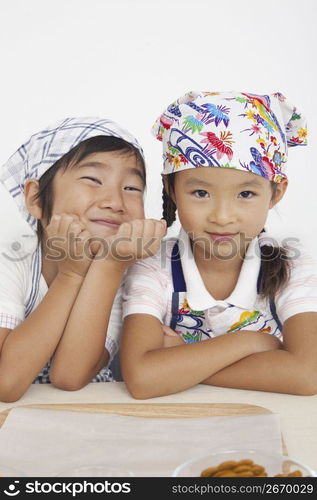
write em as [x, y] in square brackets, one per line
[169, 207]
[96, 144]
[275, 262]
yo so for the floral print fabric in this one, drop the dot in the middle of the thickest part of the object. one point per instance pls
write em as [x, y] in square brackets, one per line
[232, 130]
[195, 326]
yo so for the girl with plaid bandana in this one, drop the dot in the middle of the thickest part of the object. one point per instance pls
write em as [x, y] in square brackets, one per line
[224, 304]
[77, 188]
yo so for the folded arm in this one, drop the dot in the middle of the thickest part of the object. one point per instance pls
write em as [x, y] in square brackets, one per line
[150, 370]
[25, 350]
[290, 370]
[81, 352]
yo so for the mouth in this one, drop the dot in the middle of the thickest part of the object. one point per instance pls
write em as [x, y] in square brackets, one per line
[107, 223]
[222, 237]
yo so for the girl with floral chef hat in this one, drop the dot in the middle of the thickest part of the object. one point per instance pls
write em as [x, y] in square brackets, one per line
[224, 304]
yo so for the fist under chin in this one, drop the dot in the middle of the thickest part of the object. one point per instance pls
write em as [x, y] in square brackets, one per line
[95, 247]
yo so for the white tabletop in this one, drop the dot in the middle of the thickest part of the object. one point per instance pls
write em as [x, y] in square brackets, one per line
[298, 414]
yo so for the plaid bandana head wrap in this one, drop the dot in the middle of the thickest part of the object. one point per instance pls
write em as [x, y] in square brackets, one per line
[45, 148]
[236, 130]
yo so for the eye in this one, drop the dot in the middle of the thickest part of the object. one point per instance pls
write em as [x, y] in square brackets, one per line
[246, 194]
[93, 179]
[200, 193]
[133, 188]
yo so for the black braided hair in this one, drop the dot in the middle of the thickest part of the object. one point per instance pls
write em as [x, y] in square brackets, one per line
[169, 207]
[275, 270]
[276, 267]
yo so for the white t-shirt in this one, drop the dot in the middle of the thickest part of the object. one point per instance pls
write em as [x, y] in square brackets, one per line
[149, 289]
[22, 288]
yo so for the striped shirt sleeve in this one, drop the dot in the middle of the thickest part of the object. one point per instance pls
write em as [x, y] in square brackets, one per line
[300, 293]
[12, 291]
[114, 326]
[145, 290]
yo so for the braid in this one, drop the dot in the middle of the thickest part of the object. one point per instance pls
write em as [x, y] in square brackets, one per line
[275, 264]
[275, 270]
[169, 207]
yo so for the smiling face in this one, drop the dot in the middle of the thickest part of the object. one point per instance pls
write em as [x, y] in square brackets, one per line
[105, 189]
[223, 209]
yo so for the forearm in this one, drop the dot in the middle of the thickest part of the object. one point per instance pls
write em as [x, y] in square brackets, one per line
[81, 351]
[273, 371]
[165, 371]
[28, 347]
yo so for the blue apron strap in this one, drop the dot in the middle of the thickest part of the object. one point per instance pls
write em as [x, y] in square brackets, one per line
[179, 284]
[272, 303]
[175, 303]
[275, 316]
[259, 282]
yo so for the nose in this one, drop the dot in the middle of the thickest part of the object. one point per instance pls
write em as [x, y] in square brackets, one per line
[112, 198]
[222, 214]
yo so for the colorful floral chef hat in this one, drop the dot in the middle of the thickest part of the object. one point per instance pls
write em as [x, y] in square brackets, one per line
[230, 129]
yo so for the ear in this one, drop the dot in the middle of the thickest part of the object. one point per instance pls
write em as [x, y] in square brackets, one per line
[279, 193]
[167, 187]
[31, 189]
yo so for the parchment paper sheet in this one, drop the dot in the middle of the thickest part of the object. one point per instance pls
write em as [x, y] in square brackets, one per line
[48, 442]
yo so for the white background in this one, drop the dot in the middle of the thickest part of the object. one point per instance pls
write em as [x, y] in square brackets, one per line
[127, 60]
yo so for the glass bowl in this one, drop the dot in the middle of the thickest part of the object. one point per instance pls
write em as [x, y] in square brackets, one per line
[273, 464]
[95, 470]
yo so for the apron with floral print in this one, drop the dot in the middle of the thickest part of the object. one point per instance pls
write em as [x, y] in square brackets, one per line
[191, 325]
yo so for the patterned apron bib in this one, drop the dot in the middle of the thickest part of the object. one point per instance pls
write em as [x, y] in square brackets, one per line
[192, 325]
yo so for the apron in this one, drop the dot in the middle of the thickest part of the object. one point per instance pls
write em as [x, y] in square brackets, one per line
[191, 325]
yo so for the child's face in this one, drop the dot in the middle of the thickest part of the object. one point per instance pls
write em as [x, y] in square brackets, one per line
[223, 209]
[105, 189]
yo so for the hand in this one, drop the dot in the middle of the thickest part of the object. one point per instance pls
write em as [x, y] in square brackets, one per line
[171, 338]
[134, 240]
[68, 244]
